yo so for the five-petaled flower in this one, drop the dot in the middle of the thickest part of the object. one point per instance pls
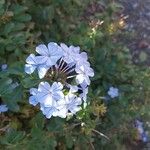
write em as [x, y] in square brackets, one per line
[51, 54]
[3, 108]
[113, 92]
[35, 62]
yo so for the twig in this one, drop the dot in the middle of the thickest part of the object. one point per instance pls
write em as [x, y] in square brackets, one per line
[91, 145]
[101, 134]
[4, 128]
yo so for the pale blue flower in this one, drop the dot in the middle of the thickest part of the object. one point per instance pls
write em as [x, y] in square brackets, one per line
[48, 111]
[73, 103]
[3, 108]
[113, 92]
[33, 99]
[81, 60]
[70, 103]
[62, 113]
[143, 135]
[52, 54]
[4, 67]
[48, 95]
[83, 74]
[35, 62]
[70, 53]
[54, 110]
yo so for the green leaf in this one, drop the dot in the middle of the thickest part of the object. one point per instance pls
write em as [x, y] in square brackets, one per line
[12, 99]
[23, 18]
[16, 68]
[48, 13]
[37, 133]
[12, 137]
[18, 9]
[69, 141]
[55, 124]
[19, 26]
[143, 56]
[8, 28]
[30, 82]
[5, 86]
[2, 2]
[38, 121]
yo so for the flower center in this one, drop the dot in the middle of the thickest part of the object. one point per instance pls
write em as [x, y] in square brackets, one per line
[61, 72]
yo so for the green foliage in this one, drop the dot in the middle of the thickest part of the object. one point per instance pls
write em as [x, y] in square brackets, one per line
[93, 26]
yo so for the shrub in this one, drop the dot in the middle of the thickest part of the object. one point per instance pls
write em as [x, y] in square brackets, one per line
[107, 122]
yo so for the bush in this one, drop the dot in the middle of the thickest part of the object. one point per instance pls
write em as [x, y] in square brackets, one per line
[107, 122]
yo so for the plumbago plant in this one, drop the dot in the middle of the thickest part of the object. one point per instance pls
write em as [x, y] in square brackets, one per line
[68, 72]
[63, 96]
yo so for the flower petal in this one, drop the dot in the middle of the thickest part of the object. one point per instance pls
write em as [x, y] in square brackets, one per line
[29, 68]
[57, 86]
[33, 100]
[42, 50]
[3, 108]
[31, 59]
[44, 87]
[42, 71]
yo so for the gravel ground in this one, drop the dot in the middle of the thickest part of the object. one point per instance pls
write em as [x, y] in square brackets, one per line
[138, 24]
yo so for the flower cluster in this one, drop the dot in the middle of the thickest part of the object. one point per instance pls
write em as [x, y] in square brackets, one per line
[65, 71]
[142, 134]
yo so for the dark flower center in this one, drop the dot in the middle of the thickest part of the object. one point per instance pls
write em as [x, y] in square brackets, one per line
[61, 72]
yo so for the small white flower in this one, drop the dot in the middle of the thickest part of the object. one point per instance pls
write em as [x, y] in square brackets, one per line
[113, 92]
[84, 74]
[48, 111]
[4, 67]
[33, 99]
[52, 54]
[70, 103]
[82, 60]
[70, 53]
[35, 62]
[73, 103]
[3, 108]
[49, 95]
[61, 112]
